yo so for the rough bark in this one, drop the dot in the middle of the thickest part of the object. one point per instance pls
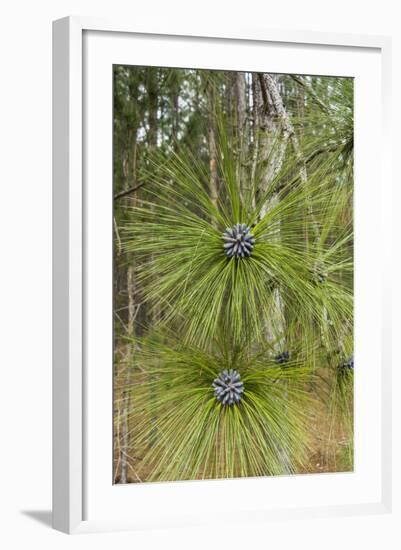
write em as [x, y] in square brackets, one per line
[241, 103]
[285, 122]
[268, 155]
[152, 90]
[130, 194]
[273, 137]
[289, 135]
[213, 174]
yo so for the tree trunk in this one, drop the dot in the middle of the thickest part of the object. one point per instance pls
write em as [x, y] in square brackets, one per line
[254, 135]
[242, 129]
[131, 295]
[274, 136]
[289, 134]
[213, 174]
[127, 381]
[152, 90]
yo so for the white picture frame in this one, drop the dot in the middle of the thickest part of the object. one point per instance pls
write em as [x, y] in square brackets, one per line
[74, 398]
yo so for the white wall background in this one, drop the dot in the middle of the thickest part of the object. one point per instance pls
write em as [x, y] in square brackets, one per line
[25, 291]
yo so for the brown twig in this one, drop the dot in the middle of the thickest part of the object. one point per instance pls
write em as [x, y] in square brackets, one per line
[128, 191]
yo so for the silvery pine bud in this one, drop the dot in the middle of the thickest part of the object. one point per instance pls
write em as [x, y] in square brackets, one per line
[228, 388]
[238, 241]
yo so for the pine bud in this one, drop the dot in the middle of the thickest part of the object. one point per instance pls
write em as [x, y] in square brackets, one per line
[283, 357]
[228, 388]
[348, 364]
[238, 241]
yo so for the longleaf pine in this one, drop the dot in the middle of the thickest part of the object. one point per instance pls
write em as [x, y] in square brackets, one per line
[233, 274]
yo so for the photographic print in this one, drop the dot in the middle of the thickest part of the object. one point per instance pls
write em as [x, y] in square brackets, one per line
[233, 274]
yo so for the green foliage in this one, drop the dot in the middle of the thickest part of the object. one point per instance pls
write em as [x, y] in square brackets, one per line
[176, 238]
[183, 432]
[326, 123]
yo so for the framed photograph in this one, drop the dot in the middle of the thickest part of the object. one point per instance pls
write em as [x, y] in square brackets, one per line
[221, 345]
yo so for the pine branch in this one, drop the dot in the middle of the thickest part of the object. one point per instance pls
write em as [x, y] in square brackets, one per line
[128, 191]
[311, 92]
[320, 151]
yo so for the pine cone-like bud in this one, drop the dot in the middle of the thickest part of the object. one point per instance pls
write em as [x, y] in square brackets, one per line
[238, 241]
[348, 364]
[228, 388]
[283, 357]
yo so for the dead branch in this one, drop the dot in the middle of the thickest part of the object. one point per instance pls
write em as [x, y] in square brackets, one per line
[128, 191]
